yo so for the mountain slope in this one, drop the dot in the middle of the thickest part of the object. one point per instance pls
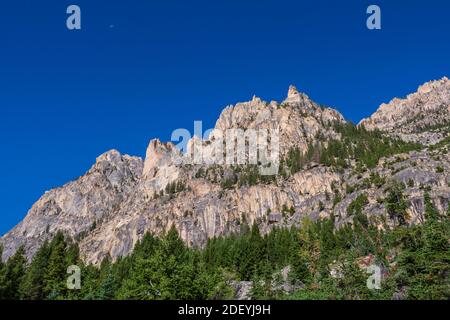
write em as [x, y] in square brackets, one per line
[76, 207]
[423, 116]
[327, 164]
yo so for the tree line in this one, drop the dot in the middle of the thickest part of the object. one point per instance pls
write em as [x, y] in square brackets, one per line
[415, 260]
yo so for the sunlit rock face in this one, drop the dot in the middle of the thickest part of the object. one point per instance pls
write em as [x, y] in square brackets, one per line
[107, 210]
[423, 116]
[77, 207]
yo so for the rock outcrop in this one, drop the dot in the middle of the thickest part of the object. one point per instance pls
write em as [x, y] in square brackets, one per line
[121, 198]
[423, 116]
[78, 207]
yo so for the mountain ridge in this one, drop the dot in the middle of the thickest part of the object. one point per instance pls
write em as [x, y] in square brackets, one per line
[121, 197]
[418, 116]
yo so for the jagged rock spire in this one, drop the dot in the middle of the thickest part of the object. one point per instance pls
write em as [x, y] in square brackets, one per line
[294, 96]
[293, 92]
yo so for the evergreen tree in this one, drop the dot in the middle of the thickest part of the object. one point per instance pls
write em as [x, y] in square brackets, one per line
[431, 213]
[165, 268]
[351, 285]
[89, 282]
[141, 282]
[396, 204]
[107, 287]
[251, 254]
[300, 270]
[1, 258]
[261, 288]
[426, 257]
[73, 255]
[33, 284]
[12, 275]
[56, 271]
[172, 244]
[2, 265]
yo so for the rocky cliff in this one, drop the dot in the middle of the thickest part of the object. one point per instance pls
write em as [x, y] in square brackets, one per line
[121, 197]
[423, 116]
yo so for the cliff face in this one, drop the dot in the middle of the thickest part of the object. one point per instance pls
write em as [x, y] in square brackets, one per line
[121, 197]
[422, 116]
[76, 207]
[298, 118]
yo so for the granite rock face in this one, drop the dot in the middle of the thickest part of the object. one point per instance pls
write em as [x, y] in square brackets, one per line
[120, 198]
[423, 116]
[298, 118]
[77, 207]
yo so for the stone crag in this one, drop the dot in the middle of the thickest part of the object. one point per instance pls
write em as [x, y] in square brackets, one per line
[110, 208]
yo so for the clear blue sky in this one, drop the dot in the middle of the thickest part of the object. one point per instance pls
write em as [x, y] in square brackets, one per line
[139, 69]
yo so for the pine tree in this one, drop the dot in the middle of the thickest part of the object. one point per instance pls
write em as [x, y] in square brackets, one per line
[261, 288]
[13, 274]
[172, 243]
[353, 283]
[107, 287]
[32, 286]
[141, 283]
[56, 271]
[2, 274]
[2, 265]
[431, 213]
[147, 246]
[73, 255]
[396, 204]
[89, 282]
[299, 265]
[427, 249]
[252, 254]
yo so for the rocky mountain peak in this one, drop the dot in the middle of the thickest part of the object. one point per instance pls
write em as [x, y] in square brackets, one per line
[435, 85]
[292, 91]
[256, 99]
[78, 205]
[110, 156]
[298, 118]
[295, 97]
[113, 164]
[110, 208]
[158, 154]
[423, 116]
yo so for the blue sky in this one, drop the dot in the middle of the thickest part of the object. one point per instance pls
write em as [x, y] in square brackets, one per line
[140, 69]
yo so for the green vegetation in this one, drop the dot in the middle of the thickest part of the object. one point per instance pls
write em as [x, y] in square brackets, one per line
[395, 203]
[170, 189]
[443, 143]
[248, 175]
[356, 147]
[440, 169]
[365, 147]
[444, 127]
[415, 260]
[175, 187]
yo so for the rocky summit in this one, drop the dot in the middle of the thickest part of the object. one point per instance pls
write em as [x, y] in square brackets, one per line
[326, 165]
[422, 116]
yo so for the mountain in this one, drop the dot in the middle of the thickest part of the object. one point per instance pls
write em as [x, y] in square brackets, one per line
[327, 165]
[423, 116]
